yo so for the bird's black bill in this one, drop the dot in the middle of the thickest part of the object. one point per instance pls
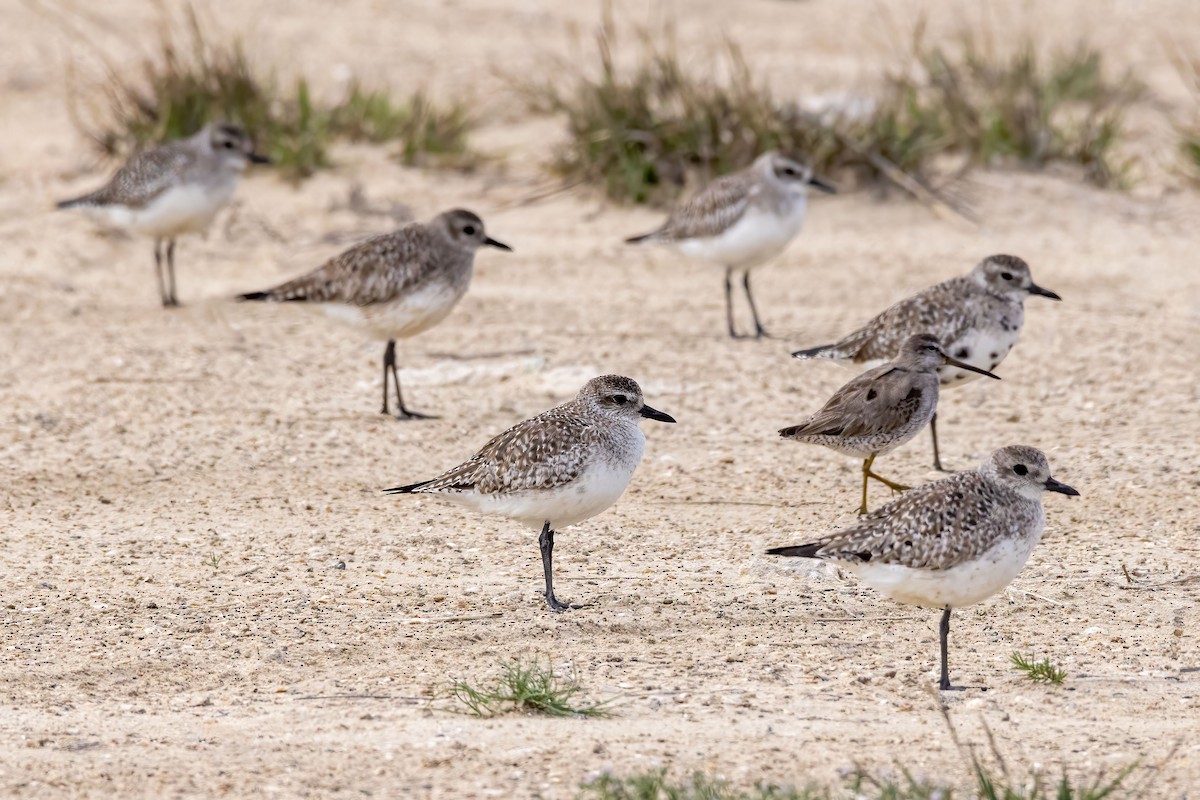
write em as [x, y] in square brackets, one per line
[954, 362]
[1057, 486]
[650, 413]
[259, 158]
[1040, 292]
[498, 245]
[828, 188]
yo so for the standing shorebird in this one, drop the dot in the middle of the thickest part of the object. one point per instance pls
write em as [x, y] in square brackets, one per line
[950, 543]
[557, 469]
[740, 221]
[977, 318]
[171, 190]
[395, 285]
[883, 408]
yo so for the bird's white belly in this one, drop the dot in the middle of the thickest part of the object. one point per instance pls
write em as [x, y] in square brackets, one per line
[188, 208]
[756, 237]
[962, 585]
[590, 494]
[406, 316]
[979, 348]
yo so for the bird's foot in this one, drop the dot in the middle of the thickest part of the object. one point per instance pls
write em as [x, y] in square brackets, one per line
[558, 607]
[404, 414]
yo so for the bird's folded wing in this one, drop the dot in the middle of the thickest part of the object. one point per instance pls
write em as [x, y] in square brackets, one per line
[879, 401]
[374, 271]
[144, 177]
[936, 310]
[923, 528]
[711, 212]
[541, 453]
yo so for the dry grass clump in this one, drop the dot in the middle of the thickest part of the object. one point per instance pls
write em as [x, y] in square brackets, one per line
[645, 131]
[193, 79]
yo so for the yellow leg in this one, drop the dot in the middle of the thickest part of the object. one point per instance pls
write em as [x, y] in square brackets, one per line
[866, 474]
[895, 487]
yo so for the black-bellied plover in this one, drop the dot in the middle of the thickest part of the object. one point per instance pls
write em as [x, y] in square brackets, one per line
[741, 220]
[950, 543]
[557, 469]
[395, 285]
[977, 317]
[171, 190]
[883, 408]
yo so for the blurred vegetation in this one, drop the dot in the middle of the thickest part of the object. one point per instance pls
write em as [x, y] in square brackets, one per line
[192, 80]
[859, 785]
[1189, 131]
[644, 131]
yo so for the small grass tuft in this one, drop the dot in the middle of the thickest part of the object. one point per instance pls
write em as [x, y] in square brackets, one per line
[1039, 671]
[526, 687]
[213, 561]
[194, 79]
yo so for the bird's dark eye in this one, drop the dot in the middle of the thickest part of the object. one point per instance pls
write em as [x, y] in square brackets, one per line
[469, 230]
[929, 347]
[1006, 275]
[620, 399]
[229, 145]
[1021, 469]
[789, 171]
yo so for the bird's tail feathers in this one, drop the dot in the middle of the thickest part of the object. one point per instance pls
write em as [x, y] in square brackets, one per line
[412, 487]
[798, 551]
[641, 238]
[821, 351]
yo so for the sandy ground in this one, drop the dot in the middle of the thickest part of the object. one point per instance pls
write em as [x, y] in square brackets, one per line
[180, 487]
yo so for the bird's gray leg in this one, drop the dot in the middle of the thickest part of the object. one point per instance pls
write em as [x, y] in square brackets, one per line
[546, 544]
[937, 459]
[944, 630]
[172, 300]
[389, 364]
[729, 303]
[759, 330]
[158, 271]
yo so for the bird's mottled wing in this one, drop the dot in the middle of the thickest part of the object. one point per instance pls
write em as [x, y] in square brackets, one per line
[374, 271]
[712, 211]
[880, 401]
[144, 177]
[934, 526]
[940, 310]
[540, 453]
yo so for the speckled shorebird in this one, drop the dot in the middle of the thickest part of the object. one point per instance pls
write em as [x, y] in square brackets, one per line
[883, 408]
[977, 317]
[395, 285]
[740, 221]
[557, 469]
[950, 543]
[171, 190]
